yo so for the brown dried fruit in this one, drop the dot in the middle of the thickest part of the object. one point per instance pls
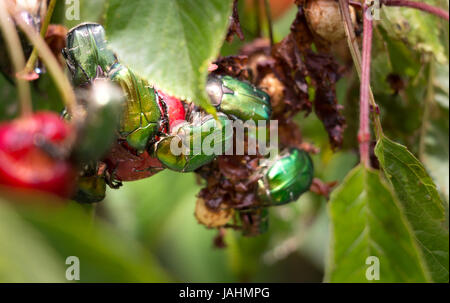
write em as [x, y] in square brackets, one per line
[234, 66]
[273, 86]
[324, 72]
[212, 218]
[324, 19]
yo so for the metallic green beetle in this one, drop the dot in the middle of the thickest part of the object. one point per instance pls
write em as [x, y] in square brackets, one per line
[142, 117]
[238, 99]
[287, 178]
[87, 54]
[90, 189]
[188, 135]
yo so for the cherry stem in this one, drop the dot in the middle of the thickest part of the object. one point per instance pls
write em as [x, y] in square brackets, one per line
[355, 3]
[439, 12]
[52, 65]
[269, 20]
[256, 4]
[29, 68]
[17, 58]
[356, 56]
[364, 110]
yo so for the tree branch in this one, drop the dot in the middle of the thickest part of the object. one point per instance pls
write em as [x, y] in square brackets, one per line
[439, 12]
[29, 68]
[364, 111]
[52, 65]
[16, 56]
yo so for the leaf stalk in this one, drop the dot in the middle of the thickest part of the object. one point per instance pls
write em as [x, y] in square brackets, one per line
[52, 65]
[439, 12]
[29, 68]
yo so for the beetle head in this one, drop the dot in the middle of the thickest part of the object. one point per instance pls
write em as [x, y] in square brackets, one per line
[87, 52]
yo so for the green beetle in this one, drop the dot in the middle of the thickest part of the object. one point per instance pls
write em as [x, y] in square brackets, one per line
[142, 116]
[90, 189]
[287, 178]
[87, 54]
[88, 57]
[91, 186]
[238, 99]
[190, 133]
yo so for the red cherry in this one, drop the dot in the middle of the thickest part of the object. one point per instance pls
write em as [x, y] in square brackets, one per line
[125, 165]
[25, 165]
[175, 109]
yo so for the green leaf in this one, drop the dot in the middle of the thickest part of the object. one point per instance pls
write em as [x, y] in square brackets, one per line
[423, 206]
[169, 42]
[418, 29]
[367, 220]
[404, 60]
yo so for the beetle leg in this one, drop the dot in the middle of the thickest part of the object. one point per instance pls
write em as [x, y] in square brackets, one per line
[114, 184]
[111, 181]
[238, 99]
[165, 117]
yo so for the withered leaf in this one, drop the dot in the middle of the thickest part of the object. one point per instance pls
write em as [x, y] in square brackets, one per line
[235, 24]
[323, 70]
[234, 66]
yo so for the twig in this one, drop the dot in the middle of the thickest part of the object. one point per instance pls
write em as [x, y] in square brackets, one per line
[269, 20]
[364, 128]
[256, 4]
[29, 68]
[52, 65]
[355, 4]
[439, 12]
[356, 56]
[15, 52]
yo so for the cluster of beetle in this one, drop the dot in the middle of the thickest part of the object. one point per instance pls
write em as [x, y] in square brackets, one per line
[151, 120]
[125, 127]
